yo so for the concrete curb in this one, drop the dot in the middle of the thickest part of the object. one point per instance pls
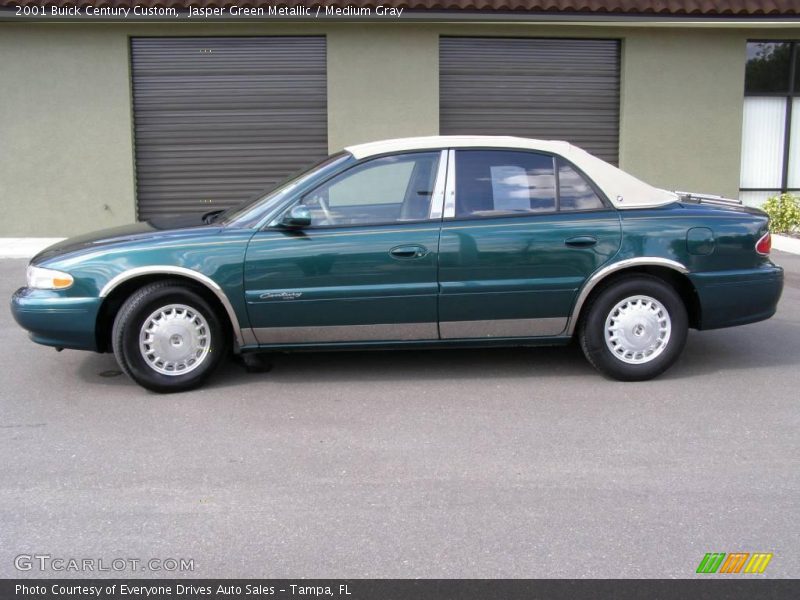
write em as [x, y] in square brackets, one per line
[24, 247]
[784, 243]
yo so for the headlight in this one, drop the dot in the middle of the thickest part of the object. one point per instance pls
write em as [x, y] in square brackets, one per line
[48, 279]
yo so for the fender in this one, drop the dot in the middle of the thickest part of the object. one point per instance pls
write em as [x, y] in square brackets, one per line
[206, 281]
[602, 273]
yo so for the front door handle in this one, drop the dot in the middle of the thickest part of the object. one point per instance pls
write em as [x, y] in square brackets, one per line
[581, 241]
[406, 252]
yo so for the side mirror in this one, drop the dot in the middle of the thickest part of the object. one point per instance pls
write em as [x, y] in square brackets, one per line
[297, 217]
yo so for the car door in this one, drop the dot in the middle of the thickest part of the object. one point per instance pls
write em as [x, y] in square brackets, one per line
[522, 232]
[364, 269]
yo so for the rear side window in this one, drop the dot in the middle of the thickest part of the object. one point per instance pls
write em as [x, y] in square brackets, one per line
[500, 182]
[574, 191]
[503, 182]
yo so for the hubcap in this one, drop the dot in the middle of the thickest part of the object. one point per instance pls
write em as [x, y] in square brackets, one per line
[175, 339]
[638, 329]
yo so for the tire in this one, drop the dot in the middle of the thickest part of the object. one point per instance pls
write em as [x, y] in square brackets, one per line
[634, 329]
[182, 344]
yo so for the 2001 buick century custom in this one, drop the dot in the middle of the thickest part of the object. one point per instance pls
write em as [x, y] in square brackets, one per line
[421, 242]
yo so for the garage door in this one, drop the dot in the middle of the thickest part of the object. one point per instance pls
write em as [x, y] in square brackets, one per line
[216, 120]
[541, 88]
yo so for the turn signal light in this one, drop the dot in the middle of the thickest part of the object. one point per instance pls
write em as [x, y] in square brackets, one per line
[48, 279]
[764, 245]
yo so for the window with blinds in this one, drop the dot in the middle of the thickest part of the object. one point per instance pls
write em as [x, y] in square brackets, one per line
[771, 127]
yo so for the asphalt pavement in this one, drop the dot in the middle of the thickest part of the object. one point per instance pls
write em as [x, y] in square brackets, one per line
[450, 463]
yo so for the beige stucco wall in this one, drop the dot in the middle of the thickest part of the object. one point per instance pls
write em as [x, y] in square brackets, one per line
[65, 127]
[383, 82]
[681, 108]
[65, 131]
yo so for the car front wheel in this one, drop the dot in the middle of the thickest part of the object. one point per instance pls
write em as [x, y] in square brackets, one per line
[167, 338]
[634, 329]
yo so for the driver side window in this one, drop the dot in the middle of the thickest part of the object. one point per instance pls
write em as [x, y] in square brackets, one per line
[383, 190]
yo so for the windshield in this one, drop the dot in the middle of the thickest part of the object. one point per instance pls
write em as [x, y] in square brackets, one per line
[252, 210]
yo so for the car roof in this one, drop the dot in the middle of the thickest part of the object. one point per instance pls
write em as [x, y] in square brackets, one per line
[455, 141]
[621, 188]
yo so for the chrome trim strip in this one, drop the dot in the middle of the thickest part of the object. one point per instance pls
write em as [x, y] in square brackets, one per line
[437, 197]
[347, 333]
[171, 270]
[450, 187]
[602, 273]
[504, 328]
[709, 198]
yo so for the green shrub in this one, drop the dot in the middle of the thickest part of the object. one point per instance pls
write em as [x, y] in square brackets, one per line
[784, 213]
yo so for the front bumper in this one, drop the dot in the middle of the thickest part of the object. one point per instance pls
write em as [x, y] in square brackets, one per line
[56, 320]
[729, 298]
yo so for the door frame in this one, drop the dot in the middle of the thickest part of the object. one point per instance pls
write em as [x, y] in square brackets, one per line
[355, 333]
[507, 328]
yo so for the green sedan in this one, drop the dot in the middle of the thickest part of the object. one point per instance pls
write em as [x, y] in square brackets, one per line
[433, 242]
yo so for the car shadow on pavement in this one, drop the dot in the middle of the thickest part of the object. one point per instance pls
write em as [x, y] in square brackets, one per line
[385, 366]
[102, 369]
[774, 343]
[429, 364]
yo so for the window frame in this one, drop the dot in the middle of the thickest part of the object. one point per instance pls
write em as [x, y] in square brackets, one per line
[452, 188]
[441, 165]
[792, 92]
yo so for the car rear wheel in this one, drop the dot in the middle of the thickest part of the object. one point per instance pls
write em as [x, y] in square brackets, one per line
[167, 338]
[634, 329]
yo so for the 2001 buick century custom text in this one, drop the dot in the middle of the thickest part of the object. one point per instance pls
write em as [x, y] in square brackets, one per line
[419, 242]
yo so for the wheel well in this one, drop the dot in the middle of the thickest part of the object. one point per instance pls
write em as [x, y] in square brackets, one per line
[114, 301]
[678, 281]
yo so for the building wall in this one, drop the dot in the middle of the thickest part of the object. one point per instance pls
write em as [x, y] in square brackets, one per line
[681, 108]
[66, 132]
[383, 82]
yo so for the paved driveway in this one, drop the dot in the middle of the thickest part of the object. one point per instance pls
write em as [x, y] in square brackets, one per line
[484, 463]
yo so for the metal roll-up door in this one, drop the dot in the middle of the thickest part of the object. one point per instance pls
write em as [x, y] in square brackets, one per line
[555, 89]
[218, 120]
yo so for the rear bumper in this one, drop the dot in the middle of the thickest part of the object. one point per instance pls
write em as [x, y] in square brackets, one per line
[729, 298]
[54, 320]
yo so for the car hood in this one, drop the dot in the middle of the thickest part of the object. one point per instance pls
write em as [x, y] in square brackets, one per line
[125, 233]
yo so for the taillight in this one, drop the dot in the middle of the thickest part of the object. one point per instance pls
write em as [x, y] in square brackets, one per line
[764, 245]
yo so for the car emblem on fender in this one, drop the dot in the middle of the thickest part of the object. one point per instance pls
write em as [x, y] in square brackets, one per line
[281, 295]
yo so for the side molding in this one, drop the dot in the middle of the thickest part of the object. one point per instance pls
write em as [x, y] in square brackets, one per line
[501, 328]
[347, 333]
[599, 275]
[184, 272]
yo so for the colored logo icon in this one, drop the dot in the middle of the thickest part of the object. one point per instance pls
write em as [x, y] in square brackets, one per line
[735, 562]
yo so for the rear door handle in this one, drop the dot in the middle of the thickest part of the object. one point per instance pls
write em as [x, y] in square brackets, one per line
[406, 252]
[581, 241]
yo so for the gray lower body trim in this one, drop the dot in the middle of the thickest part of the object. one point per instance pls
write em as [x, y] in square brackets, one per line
[248, 337]
[501, 328]
[504, 328]
[346, 333]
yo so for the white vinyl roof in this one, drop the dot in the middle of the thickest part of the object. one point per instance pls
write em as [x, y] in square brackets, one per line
[624, 190]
